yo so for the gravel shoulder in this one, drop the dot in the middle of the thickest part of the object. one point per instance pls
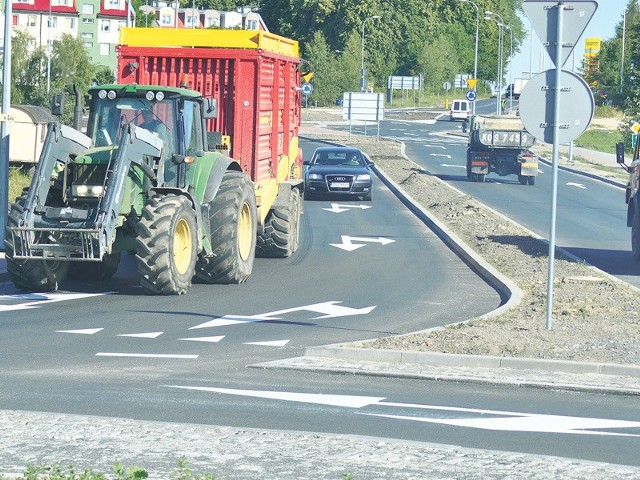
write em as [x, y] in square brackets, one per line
[595, 317]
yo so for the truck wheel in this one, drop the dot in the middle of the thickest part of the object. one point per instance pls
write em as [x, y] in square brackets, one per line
[167, 245]
[232, 219]
[103, 270]
[281, 233]
[635, 234]
[31, 275]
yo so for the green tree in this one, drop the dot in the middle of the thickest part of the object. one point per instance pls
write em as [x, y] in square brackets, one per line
[28, 71]
[323, 63]
[438, 68]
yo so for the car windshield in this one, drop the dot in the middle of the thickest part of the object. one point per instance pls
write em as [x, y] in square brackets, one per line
[338, 158]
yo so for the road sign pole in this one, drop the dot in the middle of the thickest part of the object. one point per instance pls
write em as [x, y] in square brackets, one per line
[554, 185]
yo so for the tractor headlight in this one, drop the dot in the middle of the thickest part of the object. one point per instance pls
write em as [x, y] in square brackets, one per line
[111, 94]
[86, 190]
[102, 94]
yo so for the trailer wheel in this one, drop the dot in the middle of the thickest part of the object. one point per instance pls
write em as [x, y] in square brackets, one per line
[522, 179]
[167, 245]
[281, 233]
[531, 180]
[635, 234]
[103, 270]
[232, 219]
[31, 275]
[477, 177]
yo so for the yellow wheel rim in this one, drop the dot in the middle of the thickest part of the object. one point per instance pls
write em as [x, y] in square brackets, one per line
[182, 241]
[245, 231]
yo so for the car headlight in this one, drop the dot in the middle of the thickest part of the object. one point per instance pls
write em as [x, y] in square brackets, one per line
[363, 177]
[314, 176]
[86, 190]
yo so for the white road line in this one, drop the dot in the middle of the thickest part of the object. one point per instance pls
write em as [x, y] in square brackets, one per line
[215, 339]
[142, 335]
[84, 331]
[274, 343]
[146, 355]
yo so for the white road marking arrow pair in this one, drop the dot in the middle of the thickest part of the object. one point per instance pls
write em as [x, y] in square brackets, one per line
[577, 185]
[339, 208]
[348, 245]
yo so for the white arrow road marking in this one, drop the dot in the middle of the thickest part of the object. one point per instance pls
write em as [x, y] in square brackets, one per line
[440, 155]
[43, 299]
[500, 420]
[329, 309]
[452, 166]
[349, 246]
[145, 355]
[142, 335]
[577, 185]
[274, 343]
[349, 401]
[204, 339]
[338, 208]
[84, 331]
[435, 146]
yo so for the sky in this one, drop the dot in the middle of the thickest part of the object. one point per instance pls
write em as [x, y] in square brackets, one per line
[608, 14]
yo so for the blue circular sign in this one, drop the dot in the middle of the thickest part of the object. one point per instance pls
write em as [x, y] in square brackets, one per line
[472, 95]
[307, 88]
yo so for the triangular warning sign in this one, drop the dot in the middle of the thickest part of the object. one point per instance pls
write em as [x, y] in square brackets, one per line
[471, 82]
[576, 15]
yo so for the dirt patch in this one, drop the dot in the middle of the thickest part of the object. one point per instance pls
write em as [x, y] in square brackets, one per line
[595, 318]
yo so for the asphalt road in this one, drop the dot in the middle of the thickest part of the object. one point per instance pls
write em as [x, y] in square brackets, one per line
[110, 350]
[591, 218]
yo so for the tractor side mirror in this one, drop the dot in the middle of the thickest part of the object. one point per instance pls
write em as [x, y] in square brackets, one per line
[210, 108]
[57, 104]
[620, 152]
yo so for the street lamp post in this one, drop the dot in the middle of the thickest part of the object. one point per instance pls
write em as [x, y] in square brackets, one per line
[362, 72]
[475, 61]
[49, 49]
[510, 61]
[489, 15]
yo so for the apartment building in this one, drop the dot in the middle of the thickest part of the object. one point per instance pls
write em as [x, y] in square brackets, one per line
[97, 22]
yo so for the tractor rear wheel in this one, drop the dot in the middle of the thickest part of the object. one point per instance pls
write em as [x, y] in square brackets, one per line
[281, 233]
[167, 245]
[31, 275]
[233, 224]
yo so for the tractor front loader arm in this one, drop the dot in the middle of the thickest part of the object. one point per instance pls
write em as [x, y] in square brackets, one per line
[135, 144]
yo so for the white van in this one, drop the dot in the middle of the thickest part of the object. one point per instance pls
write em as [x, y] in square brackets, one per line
[460, 110]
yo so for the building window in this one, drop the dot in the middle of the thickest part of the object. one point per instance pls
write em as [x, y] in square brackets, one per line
[21, 1]
[114, 4]
[190, 21]
[31, 21]
[72, 23]
[88, 44]
[87, 20]
[105, 26]
[166, 20]
[213, 22]
[252, 25]
[52, 22]
[105, 49]
[87, 9]
[87, 36]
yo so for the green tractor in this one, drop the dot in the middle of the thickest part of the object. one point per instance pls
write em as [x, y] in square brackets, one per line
[145, 180]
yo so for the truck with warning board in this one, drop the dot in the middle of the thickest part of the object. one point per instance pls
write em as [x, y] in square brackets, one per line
[190, 161]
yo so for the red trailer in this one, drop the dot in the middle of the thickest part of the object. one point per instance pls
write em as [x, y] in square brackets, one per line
[254, 78]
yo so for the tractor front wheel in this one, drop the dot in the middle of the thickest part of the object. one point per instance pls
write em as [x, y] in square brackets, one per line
[32, 274]
[167, 245]
[233, 225]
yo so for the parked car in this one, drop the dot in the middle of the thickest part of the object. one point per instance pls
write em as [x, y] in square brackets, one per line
[338, 170]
